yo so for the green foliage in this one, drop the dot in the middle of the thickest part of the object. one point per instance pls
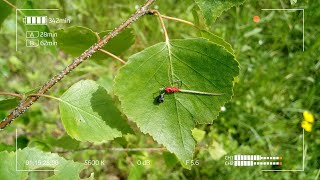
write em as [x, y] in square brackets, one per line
[136, 172]
[6, 147]
[8, 104]
[200, 65]
[49, 143]
[277, 82]
[198, 134]
[75, 40]
[212, 9]
[65, 142]
[216, 150]
[5, 10]
[88, 113]
[170, 159]
[216, 39]
[33, 159]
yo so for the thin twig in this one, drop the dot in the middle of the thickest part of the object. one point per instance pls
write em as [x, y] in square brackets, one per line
[10, 4]
[44, 95]
[155, 12]
[112, 55]
[178, 20]
[76, 62]
[97, 36]
[11, 94]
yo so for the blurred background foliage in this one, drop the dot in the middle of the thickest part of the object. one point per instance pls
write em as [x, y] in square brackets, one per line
[277, 83]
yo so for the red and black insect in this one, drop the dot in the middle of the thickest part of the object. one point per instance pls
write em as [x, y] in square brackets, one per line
[169, 90]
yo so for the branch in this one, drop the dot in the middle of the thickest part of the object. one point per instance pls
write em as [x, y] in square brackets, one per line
[76, 62]
[11, 94]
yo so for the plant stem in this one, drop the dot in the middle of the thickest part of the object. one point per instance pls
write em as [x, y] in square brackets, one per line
[155, 12]
[10, 4]
[112, 55]
[199, 92]
[11, 94]
[76, 62]
[13, 6]
[178, 20]
[44, 95]
[97, 36]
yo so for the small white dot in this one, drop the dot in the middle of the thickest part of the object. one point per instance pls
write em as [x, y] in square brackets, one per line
[223, 109]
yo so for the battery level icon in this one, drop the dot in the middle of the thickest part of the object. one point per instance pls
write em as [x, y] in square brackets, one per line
[35, 20]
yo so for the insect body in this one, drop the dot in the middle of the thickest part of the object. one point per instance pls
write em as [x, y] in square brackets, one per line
[160, 98]
[169, 90]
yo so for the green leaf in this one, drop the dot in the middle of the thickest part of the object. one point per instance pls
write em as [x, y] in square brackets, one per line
[200, 65]
[32, 159]
[34, 143]
[136, 172]
[120, 43]
[75, 40]
[89, 114]
[216, 39]
[216, 150]
[198, 134]
[212, 9]
[65, 142]
[6, 147]
[199, 20]
[8, 104]
[106, 81]
[170, 159]
[5, 10]
[48, 143]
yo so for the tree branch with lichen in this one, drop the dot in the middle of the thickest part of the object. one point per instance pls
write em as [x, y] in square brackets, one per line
[27, 102]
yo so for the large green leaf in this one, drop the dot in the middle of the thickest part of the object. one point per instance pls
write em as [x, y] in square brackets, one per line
[7, 104]
[89, 114]
[48, 143]
[201, 65]
[216, 39]
[211, 9]
[6, 147]
[75, 40]
[121, 42]
[32, 159]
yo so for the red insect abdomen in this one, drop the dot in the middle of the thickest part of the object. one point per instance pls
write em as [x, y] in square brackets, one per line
[171, 89]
